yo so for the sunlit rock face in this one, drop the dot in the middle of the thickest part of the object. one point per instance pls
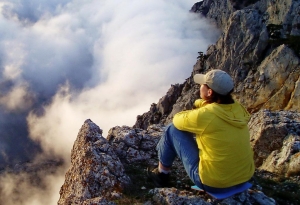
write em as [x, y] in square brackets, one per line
[96, 173]
[275, 138]
[259, 48]
[274, 85]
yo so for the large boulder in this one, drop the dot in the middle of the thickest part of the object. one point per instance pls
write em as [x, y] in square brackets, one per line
[275, 138]
[96, 174]
[275, 85]
[135, 145]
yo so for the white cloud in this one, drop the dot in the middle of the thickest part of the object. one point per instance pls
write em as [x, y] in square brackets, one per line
[102, 60]
[139, 50]
[18, 99]
[27, 188]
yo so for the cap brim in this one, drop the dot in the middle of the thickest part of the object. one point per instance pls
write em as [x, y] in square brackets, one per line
[199, 78]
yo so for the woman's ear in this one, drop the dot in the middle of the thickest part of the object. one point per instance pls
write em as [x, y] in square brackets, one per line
[209, 92]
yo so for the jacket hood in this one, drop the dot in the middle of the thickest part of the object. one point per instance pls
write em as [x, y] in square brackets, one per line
[234, 114]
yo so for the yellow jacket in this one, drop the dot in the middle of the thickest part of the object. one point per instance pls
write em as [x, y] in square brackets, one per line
[222, 135]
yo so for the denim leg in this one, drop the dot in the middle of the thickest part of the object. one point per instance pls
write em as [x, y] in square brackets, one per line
[179, 143]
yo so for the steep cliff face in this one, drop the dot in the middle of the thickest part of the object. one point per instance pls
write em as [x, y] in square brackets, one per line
[259, 47]
[276, 12]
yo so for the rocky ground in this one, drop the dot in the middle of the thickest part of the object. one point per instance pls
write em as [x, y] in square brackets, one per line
[101, 165]
[285, 191]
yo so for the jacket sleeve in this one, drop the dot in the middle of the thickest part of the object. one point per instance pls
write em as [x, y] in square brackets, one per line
[199, 103]
[187, 121]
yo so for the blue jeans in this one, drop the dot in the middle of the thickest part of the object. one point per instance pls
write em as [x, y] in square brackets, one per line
[179, 143]
[182, 144]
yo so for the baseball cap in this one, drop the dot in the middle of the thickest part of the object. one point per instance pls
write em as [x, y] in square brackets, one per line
[218, 80]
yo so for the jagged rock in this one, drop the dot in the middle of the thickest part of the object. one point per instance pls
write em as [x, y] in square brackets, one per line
[241, 46]
[135, 145]
[217, 11]
[166, 102]
[96, 174]
[96, 201]
[294, 164]
[172, 196]
[160, 111]
[281, 13]
[275, 138]
[273, 11]
[240, 4]
[185, 101]
[197, 8]
[266, 74]
[178, 98]
[275, 85]
[153, 116]
[245, 51]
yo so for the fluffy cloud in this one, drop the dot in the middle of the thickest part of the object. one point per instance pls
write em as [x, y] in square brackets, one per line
[62, 62]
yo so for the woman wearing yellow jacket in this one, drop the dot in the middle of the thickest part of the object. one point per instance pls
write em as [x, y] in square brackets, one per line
[221, 156]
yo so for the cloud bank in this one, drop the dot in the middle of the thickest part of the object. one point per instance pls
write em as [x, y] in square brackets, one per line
[64, 61]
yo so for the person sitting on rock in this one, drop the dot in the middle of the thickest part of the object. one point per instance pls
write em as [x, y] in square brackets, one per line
[212, 140]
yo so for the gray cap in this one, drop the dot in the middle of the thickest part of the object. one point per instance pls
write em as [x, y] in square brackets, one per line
[218, 80]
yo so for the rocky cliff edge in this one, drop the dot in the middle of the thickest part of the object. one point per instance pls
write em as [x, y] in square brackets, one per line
[108, 170]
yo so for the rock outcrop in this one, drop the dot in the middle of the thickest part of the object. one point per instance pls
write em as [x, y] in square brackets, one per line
[96, 174]
[275, 139]
[174, 196]
[135, 145]
[273, 12]
[259, 47]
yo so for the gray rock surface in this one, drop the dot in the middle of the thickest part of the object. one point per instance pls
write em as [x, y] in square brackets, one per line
[97, 176]
[275, 139]
[96, 173]
[275, 84]
[172, 196]
[135, 145]
[253, 48]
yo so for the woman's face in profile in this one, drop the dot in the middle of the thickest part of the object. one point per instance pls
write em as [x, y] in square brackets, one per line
[205, 92]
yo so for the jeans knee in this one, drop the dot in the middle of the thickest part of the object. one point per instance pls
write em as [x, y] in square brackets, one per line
[174, 132]
[164, 136]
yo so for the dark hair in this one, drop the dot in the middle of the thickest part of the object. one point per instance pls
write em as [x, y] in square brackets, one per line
[218, 98]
